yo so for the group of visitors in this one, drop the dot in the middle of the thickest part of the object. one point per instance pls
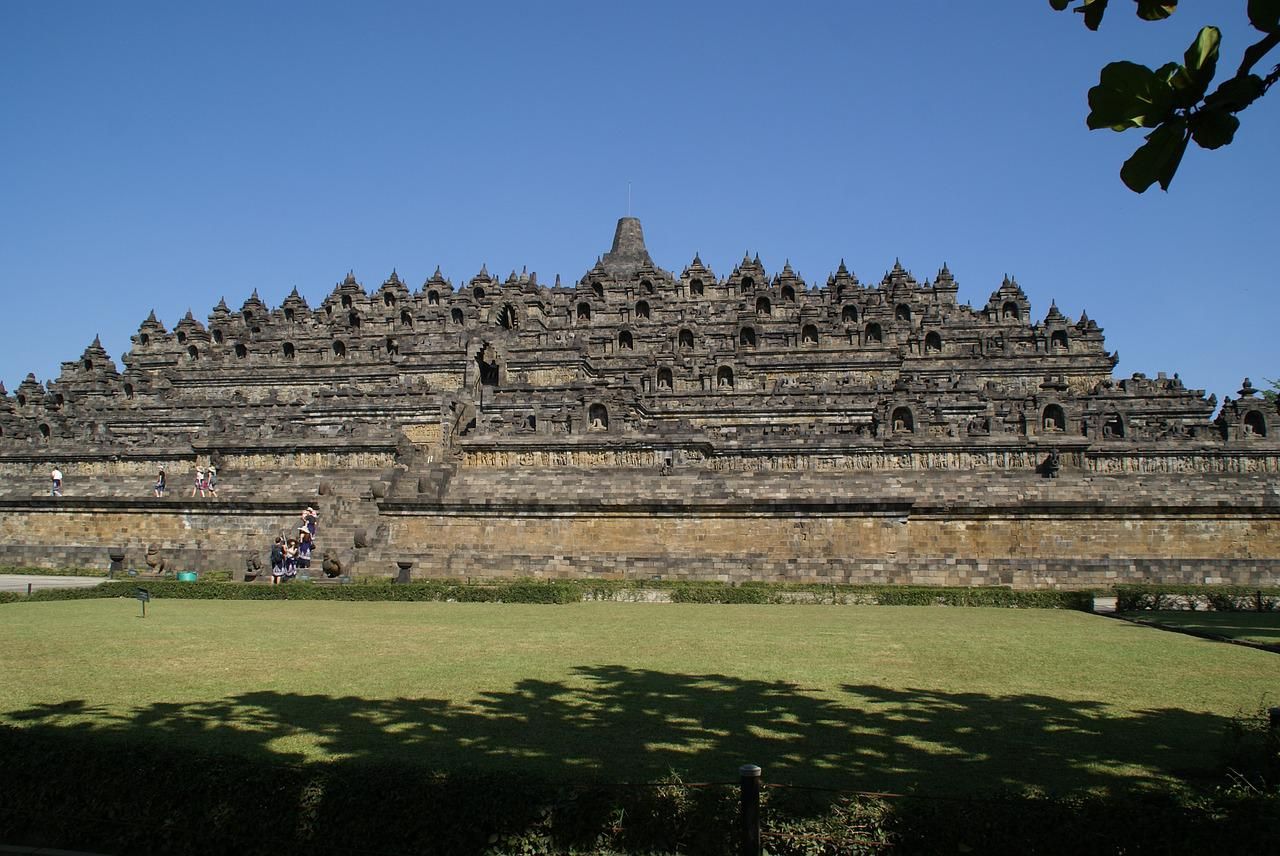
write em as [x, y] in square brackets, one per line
[206, 480]
[292, 554]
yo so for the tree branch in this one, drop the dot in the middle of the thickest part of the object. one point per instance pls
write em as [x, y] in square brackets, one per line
[1256, 52]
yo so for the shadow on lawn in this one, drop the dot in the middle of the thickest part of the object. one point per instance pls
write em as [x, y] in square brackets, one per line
[630, 725]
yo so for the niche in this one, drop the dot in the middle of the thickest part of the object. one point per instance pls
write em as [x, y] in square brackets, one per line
[763, 309]
[664, 379]
[507, 317]
[584, 311]
[624, 341]
[287, 351]
[724, 377]
[642, 310]
[433, 298]
[406, 319]
[874, 335]
[788, 294]
[902, 312]
[1113, 427]
[748, 284]
[903, 422]
[598, 417]
[455, 315]
[346, 301]
[647, 286]
[1254, 424]
[1058, 340]
[932, 343]
[1009, 312]
[478, 293]
[747, 338]
[809, 335]
[217, 336]
[695, 287]
[1054, 420]
[339, 350]
[849, 314]
[388, 299]
[192, 353]
[353, 319]
[241, 351]
[88, 365]
[128, 390]
[598, 290]
[686, 339]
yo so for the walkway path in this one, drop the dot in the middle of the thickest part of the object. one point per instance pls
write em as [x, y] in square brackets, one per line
[19, 582]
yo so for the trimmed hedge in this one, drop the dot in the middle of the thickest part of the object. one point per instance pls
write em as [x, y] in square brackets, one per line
[9, 596]
[574, 591]
[1136, 598]
[516, 592]
[71, 789]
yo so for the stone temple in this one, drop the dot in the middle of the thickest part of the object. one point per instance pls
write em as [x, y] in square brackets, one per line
[646, 424]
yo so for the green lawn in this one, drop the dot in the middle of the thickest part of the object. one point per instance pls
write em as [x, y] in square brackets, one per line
[1260, 627]
[877, 698]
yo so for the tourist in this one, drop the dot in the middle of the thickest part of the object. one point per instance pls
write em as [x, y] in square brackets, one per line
[199, 483]
[56, 475]
[212, 480]
[309, 520]
[304, 549]
[277, 561]
[290, 560]
[160, 483]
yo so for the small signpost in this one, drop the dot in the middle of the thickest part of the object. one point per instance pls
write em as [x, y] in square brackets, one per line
[143, 596]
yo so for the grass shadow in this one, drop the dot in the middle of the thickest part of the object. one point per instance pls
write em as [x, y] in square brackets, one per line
[614, 723]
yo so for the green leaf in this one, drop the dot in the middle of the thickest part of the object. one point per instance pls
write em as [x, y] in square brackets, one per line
[1191, 80]
[1157, 159]
[1236, 93]
[1156, 10]
[1093, 10]
[1213, 129]
[1265, 15]
[1129, 95]
[1202, 56]
[1059, 5]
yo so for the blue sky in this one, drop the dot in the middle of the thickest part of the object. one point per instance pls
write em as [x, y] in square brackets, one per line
[164, 155]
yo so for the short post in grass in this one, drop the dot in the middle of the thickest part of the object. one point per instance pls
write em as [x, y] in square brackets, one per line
[116, 555]
[405, 566]
[749, 780]
[143, 596]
